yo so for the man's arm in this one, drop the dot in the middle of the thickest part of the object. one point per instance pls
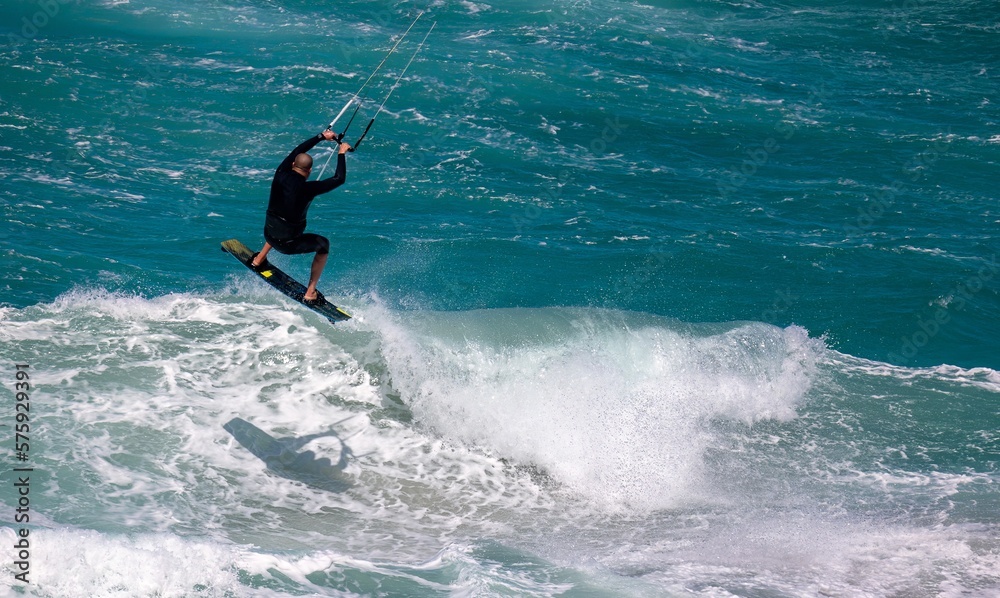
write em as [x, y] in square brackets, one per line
[303, 147]
[338, 178]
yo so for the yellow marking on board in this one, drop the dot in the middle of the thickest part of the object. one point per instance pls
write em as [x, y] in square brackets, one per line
[267, 274]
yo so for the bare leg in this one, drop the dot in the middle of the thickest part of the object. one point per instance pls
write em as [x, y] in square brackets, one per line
[262, 255]
[319, 262]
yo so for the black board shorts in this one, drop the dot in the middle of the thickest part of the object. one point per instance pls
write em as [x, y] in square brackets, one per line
[303, 243]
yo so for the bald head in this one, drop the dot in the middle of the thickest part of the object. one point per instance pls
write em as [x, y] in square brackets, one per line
[303, 163]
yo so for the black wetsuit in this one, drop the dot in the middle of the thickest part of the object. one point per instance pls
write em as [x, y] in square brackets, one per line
[291, 194]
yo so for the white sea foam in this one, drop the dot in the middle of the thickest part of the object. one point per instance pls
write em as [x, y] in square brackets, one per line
[804, 555]
[143, 393]
[979, 377]
[596, 426]
[617, 412]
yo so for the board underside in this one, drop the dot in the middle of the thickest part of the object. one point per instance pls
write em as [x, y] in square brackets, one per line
[283, 282]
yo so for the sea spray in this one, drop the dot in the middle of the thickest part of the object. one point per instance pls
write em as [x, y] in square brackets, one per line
[615, 405]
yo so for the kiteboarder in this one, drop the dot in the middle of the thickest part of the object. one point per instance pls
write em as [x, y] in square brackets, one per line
[291, 194]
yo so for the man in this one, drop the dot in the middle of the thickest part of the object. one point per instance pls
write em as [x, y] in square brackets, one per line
[291, 194]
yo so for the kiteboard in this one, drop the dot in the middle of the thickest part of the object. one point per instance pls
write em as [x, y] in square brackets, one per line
[283, 282]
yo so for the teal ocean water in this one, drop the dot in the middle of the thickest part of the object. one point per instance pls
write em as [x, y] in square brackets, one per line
[650, 299]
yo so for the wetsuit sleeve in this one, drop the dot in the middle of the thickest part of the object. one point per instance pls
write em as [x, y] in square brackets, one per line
[338, 178]
[305, 146]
